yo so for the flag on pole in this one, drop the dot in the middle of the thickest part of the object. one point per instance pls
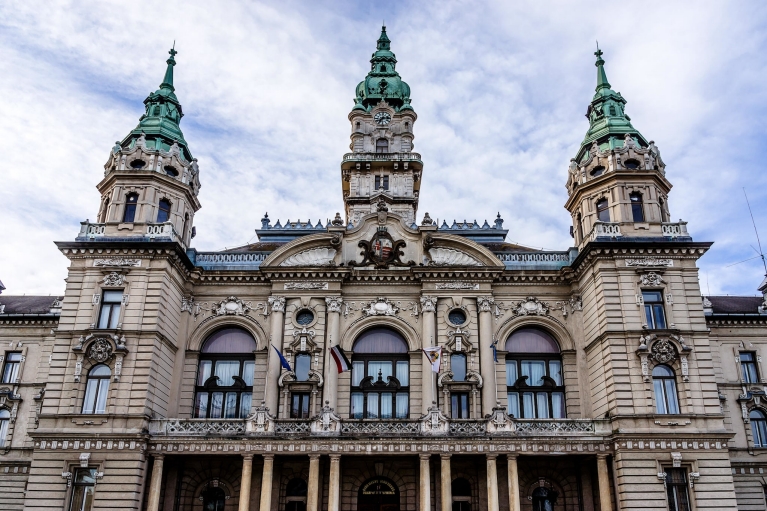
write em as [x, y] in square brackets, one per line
[283, 361]
[434, 354]
[342, 363]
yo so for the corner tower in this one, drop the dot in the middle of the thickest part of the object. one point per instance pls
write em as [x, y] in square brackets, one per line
[151, 180]
[617, 182]
[382, 165]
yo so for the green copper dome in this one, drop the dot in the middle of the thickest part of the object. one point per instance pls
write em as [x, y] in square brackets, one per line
[608, 122]
[383, 82]
[160, 122]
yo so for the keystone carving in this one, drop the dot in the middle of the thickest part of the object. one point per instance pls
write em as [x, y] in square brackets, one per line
[651, 279]
[114, 279]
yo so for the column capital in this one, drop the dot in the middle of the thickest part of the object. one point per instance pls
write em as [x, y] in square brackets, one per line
[512, 456]
[445, 456]
[485, 303]
[425, 456]
[428, 304]
[247, 457]
[334, 457]
[158, 456]
[333, 303]
[314, 456]
[277, 303]
[602, 456]
[492, 456]
[269, 457]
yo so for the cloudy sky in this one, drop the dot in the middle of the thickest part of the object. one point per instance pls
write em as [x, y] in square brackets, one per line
[500, 88]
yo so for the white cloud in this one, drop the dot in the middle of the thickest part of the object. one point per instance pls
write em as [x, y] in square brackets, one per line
[500, 90]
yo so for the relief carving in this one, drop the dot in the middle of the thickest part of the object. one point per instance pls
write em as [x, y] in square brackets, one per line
[650, 261]
[117, 261]
[382, 251]
[451, 257]
[322, 256]
[114, 279]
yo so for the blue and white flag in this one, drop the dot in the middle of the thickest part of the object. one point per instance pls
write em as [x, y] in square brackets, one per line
[283, 361]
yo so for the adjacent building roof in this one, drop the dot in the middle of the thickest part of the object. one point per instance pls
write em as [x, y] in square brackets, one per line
[739, 305]
[30, 305]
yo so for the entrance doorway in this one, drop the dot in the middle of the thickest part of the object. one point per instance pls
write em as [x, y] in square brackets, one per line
[378, 494]
[544, 499]
[213, 499]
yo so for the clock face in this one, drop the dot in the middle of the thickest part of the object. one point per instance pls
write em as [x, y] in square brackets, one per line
[382, 118]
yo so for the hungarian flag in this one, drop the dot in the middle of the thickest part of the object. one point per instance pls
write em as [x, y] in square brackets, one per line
[342, 363]
[434, 354]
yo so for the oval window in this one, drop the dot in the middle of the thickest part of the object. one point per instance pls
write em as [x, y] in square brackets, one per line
[304, 317]
[631, 164]
[171, 171]
[597, 171]
[137, 164]
[457, 317]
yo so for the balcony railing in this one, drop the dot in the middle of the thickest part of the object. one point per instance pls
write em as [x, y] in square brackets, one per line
[382, 157]
[537, 260]
[163, 230]
[227, 260]
[89, 230]
[675, 229]
[605, 229]
[328, 424]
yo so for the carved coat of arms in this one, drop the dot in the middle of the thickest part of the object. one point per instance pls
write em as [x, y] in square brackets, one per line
[382, 251]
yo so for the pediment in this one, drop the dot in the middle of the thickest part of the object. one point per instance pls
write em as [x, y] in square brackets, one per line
[383, 240]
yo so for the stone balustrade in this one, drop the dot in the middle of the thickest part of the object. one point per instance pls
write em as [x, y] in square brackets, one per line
[89, 230]
[537, 260]
[163, 230]
[605, 229]
[432, 424]
[382, 157]
[675, 229]
[227, 260]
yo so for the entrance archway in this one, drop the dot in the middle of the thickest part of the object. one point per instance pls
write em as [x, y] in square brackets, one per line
[544, 499]
[378, 494]
[213, 499]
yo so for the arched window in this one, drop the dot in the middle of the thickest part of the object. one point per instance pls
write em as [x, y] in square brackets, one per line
[380, 376]
[664, 384]
[97, 389]
[461, 491]
[295, 495]
[382, 145]
[758, 427]
[637, 209]
[535, 385]
[224, 386]
[603, 210]
[378, 494]
[5, 419]
[131, 201]
[163, 211]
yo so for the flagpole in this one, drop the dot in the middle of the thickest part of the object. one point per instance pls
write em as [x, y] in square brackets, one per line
[266, 373]
[434, 376]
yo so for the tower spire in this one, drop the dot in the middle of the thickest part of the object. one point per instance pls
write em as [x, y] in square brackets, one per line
[167, 81]
[602, 82]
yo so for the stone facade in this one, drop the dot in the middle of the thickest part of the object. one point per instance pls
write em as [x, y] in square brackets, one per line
[592, 378]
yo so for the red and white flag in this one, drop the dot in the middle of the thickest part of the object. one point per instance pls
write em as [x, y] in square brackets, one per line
[434, 354]
[342, 363]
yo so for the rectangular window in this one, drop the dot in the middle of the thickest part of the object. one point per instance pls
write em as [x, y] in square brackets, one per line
[216, 405]
[676, 489]
[11, 369]
[300, 406]
[83, 486]
[459, 405]
[403, 373]
[386, 404]
[358, 373]
[535, 370]
[380, 369]
[230, 405]
[402, 405]
[512, 404]
[372, 409]
[555, 371]
[246, 399]
[201, 405]
[511, 372]
[653, 308]
[358, 400]
[557, 405]
[748, 365]
[110, 309]
[378, 182]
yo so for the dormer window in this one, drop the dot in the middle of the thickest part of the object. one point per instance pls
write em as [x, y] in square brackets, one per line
[171, 171]
[631, 164]
[382, 182]
[163, 211]
[382, 145]
[137, 164]
[597, 171]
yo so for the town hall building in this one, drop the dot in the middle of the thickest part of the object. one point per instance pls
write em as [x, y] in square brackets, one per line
[381, 361]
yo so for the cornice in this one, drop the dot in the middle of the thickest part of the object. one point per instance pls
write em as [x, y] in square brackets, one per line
[75, 250]
[630, 249]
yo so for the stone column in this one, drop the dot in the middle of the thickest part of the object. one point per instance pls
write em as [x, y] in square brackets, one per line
[266, 483]
[492, 483]
[486, 361]
[272, 392]
[247, 475]
[605, 499]
[314, 482]
[333, 312]
[334, 486]
[429, 336]
[155, 484]
[425, 484]
[514, 502]
[446, 481]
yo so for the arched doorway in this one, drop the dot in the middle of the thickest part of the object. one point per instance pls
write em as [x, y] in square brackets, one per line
[544, 499]
[213, 499]
[378, 494]
[461, 490]
[295, 494]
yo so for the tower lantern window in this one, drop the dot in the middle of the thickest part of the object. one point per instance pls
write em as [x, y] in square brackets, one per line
[382, 145]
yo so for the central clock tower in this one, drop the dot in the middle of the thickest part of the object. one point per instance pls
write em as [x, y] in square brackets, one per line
[382, 167]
